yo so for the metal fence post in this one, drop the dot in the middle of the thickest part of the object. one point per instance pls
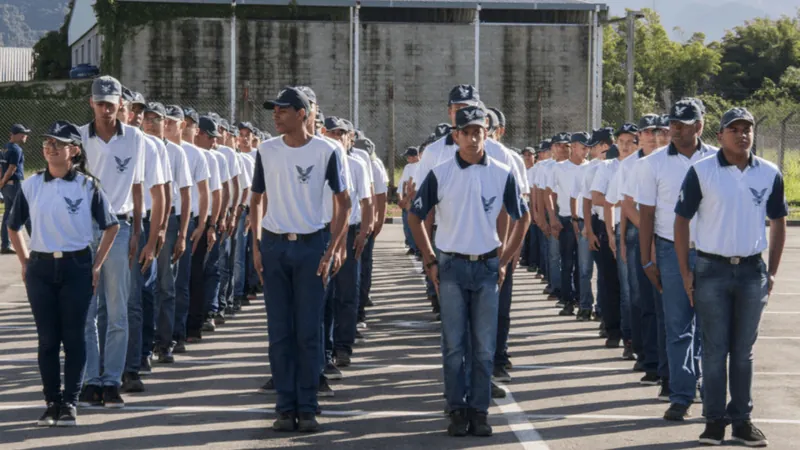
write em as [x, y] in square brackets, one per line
[391, 151]
[755, 134]
[782, 148]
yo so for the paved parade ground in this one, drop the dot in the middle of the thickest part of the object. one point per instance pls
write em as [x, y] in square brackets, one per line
[568, 392]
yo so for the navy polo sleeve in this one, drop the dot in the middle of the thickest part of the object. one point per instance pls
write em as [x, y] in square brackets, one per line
[690, 195]
[427, 196]
[101, 211]
[258, 186]
[512, 200]
[19, 214]
[13, 155]
[334, 173]
[776, 203]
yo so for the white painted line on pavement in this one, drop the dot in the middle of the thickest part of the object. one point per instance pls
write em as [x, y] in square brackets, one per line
[626, 418]
[781, 312]
[518, 422]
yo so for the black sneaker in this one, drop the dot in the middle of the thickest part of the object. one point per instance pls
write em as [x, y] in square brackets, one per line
[584, 315]
[342, 359]
[230, 311]
[664, 392]
[602, 333]
[714, 433]
[369, 302]
[268, 388]
[50, 416]
[497, 391]
[677, 412]
[612, 342]
[165, 356]
[208, 325]
[307, 422]
[146, 368]
[180, 347]
[91, 395]
[359, 338]
[596, 317]
[567, 311]
[508, 365]
[501, 374]
[131, 382]
[650, 379]
[638, 366]
[749, 435]
[67, 416]
[627, 353]
[459, 423]
[478, 424]
[560, 303]
[409, 252]
[111, 397]
[286, 421]
[219, 318]
[331, 372]
[324, 390]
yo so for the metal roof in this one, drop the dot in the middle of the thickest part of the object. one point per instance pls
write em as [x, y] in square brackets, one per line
[15, 63]
[456, 4]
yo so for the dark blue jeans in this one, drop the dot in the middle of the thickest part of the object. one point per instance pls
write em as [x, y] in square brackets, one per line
[365, 284]
[294, 296]
[211, 276]
[729, 300]
[469, 301]
[570, 275]
[585, 269]
[164, 317]
[533, 247]
[9, 192]
[504, 317]
[225, 265]
[141, 305]
[407, 232]
[341, 306]
[644, 323]
[543, 254]
[59, 292]
[182, 283]
[624, 290]
[607, 281]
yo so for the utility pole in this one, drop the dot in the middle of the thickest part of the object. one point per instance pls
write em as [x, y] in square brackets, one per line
[630, 19]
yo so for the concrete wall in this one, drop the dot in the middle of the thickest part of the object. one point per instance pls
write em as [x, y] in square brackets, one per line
[188, 61]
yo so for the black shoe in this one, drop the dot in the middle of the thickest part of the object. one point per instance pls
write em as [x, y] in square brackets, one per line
[230, 312]
[459, 423]
[342, 358]
[359, 338]
[331, 372]
[438, 318]
[165, 356]
[180, 347]
[714, 433]
[245, 301]
[547, 290]
[596, 317]
[627, 353]
[286, 421]
[268, 388]
[208, 325]
[146, 368]
[749, 435]
[7, 251]
[324, 389]
[508, 365]
[650, 379]
[602, 333]
[67, 415]
[369, 302]
[409, 252]
[50, 416]
[584, 315]
[497, 391]
[219, 318]
[664, 392]
[612, 342]
[500, 374]
[91, 395]
[111, 397]
[568, 310]
[638, 366]
[131, 382]
[307, 423]
[677, 412]
[532, 269]
[560, 303]
[478, 424]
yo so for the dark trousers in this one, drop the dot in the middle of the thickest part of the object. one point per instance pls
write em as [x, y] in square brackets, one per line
[59, 292]
[543, 269]
[226, 254]
[365, 284]
[533, 247]
[342, 301]
[182, 284]
[570, 275]
[607, 265]
[9, 192]
[295, 300]
[504, 318]
[197, 283]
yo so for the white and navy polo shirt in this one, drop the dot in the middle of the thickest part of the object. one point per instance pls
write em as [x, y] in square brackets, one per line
[198, 168]
[327, 205]
[214, 177]
[543, 173]
[730, 205]
[468, 198]
[379, 177]
[234, 168]
[224, 170]
[359, 187]
[601, 181]
[530, 174]
[118, 163]
[660, 177]
[580, 186]
[365, 158]
[248, 165]
[503, 154]
[61, 211]
[563, 183]
[181, 174]
[160, 163]
[293, 180]
[595, 166]
[613, 194]
[409, 172]
[629, 170]
[436, 153]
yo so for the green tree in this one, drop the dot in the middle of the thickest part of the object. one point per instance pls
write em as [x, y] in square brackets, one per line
[51, 54]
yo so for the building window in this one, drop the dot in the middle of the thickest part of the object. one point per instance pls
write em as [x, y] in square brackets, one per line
[75, 59]
[89, 52]
[97, 44]
[83, 54]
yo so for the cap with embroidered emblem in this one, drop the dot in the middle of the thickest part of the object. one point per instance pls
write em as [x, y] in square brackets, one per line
[207, 125]
[174, 112]
[561, 138]
[627, 128]
[648, 122]
[442, 130]
[64, 131]
[663, 121]
[545, 146]
[600, 135]
[246, 126]
[333, 123]
[19, 128]
[312, 96]
[138, 99]
[106, 89]
[224, 124]
[580, 137]
[736, 115]
[464, 94]
[156, 108]
[412, 151]
[191, 113]
[127, 94]
[471, 115]
[501, 118]
[289, 98]
[686, 112]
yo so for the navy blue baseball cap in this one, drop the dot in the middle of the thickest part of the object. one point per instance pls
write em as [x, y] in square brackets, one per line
[663, 121]
[208, 126]
[628, 128]
[246, 126]
[464, 94]
[19, 128]
[736, 115]
[545, 146]
[580, 137]
[530, 150]
[290, 98]
[442, 130]
[501, 118]
[348, 125]
[333, 123]
[138, 99]
[601, 135]
[612, 152]
[699, 103]
[127, 94]
[312, 97]
[64, 131]
[648, 122]
[686, 112]
[222, 123]
[494, 121]
[191, 113]
[412, 151]
[174, 112]
[156, 108]
[471, 115]
[106, 89]
[561, 138]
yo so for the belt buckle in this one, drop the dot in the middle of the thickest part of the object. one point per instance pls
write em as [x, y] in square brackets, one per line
[474, 258]
[735, 260]
[58, 255]
[291, 237]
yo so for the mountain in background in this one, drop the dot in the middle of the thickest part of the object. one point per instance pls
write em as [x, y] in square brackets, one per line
[712, 17]
[23, 22]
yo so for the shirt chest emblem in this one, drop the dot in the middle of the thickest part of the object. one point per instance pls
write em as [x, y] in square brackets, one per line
[73, 206]
[122, 164]
[303, 174]
[758, 196]
[487, 203]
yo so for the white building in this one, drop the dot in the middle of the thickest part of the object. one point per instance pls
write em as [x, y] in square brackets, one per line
[83, 34]
[15, 64]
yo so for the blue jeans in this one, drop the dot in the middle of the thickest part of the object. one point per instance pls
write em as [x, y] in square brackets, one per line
[729, 300]
[295, 309]
[682, 334]
[184, 270]
[586, 269]
[212, 276]
[59, 292]
[140, 306]
[544, 254]
[407, 232]
[624, 290]
[430, 289]
[9, 192]
[533, 247]
[607, 281]
[164, 318]
[554, 263]
[568, 249]
[240, 258]
[107, 317]
[365, 284]
[341, 306]
[469, 299]
[504, 318]
[225, 264]
[644, 325]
